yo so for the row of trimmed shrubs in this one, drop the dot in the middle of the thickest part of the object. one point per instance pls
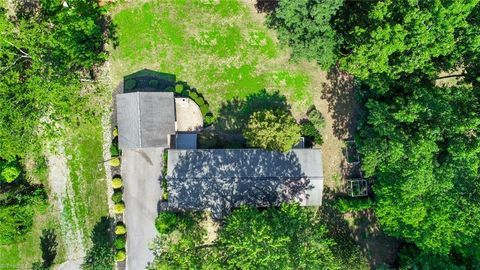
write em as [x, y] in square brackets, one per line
[181, 90]
[117, 198]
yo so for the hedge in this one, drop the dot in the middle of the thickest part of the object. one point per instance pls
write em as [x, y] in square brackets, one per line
[114, 150]
[117, 183]
[120, 256]
[117, 196]
[119, 208]
[120, 229]
[309, 130]
[178, 89]
[130, 84]
[345, 205]
[153, 83]
[120, 242]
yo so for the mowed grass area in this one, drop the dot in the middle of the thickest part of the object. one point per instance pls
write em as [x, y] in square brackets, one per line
[89, 202]
[222, 49]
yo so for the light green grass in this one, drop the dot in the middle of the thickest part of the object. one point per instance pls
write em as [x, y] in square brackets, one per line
[218, 48]
[87, 175]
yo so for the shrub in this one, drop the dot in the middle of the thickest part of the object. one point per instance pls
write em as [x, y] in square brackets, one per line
[117, 196]
[178, 89]
[115, 132]
[193, 95]
[309, 130]
[200, 101]
[153, 83]
[166, 221]
[119, 208]
[9, 171]
[120, 242]
[316, 118]
[130, 84]
[170, 89]
[114, 150]
[120, 229]
[345, 205]
[209, 119]
[117, 182]
[115, 162]
[120, 256]
[204, 109]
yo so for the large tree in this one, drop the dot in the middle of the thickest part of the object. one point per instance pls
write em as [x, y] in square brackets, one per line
[422, 147]
[289, 237]
[43, 53]
[304, 25]
[387, 39]
[272, 130]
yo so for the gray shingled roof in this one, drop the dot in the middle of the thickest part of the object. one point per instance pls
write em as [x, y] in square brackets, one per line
[145, 119]
[219, 179]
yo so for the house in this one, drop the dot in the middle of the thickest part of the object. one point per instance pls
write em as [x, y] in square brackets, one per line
[216, 179]
[151, 121]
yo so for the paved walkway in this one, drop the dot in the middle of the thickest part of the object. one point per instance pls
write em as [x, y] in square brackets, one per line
[141, 173]
[188, 115]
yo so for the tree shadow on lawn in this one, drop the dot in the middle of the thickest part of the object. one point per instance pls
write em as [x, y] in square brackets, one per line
[101, 254]
[363, 239]
[233, 116]
[48, 244]
[340, 93]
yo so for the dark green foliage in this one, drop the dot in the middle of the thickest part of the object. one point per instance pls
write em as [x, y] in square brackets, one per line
[411, 258]
[420, 148]
[169, 89]
[286, 238]
[114, 151]
[345, 205]
[120, 242]
[153, 83]
[316, 118]
[166, 222]
[48, 244]
[17, 207]
[101, 255]
[309, 131]
[390, 39]
[117, 196]
[164, 176]
[130, 84]
[304, 25]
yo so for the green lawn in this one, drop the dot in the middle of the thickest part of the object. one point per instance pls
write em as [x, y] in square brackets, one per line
[218, 48]
[87, 176]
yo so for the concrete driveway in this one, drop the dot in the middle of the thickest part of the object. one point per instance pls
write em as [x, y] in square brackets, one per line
[141, 173]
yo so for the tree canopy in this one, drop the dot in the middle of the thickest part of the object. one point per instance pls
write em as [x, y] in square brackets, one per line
[304, 25]
[43, 53]
[289, 237]
[272, 130]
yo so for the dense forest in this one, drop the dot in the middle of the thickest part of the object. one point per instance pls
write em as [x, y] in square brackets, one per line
[418, 138]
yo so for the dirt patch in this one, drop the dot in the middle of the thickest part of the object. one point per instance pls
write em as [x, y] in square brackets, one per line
[58, 178]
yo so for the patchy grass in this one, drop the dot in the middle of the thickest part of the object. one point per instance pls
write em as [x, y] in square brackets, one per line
[87, 175]
[23, 254]
[219, 48]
